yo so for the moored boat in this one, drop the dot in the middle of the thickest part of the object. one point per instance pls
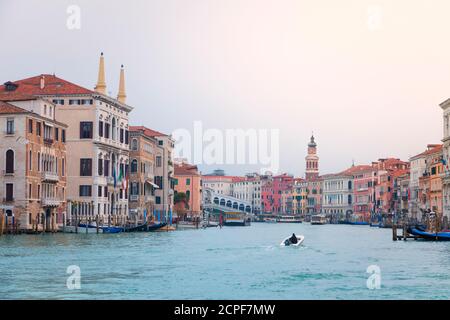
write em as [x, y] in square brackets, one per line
[236, 219]
[289, 219]
[433, 236]
[319, 219]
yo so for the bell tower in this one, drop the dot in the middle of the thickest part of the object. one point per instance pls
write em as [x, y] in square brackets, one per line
[312, 161]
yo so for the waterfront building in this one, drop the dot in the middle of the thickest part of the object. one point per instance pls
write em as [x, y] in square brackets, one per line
[33, 155]
[163, 182]
[96, 140]
[385, 169]
[314, 195]
[249, 188]
[364, 177]
[337, 200]
[418, 168]
[401, 192]
[430, 183]
[445, 106]
[287, 202]
[219, 183]
[299, 196]
[143, 149]
[281, 183]
[267, 198]
[188, 181]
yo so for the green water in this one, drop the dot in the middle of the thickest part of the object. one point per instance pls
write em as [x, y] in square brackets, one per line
[227, 263]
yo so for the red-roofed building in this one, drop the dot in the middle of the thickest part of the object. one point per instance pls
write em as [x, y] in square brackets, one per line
[33, 150]
[97, 140]
[188, 181]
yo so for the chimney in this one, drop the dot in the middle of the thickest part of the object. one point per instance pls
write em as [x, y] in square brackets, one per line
[42, 82]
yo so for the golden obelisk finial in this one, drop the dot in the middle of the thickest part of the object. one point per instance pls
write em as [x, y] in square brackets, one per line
[101, 84]
[122, 96]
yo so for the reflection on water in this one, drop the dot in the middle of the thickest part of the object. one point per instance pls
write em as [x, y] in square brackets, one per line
[227, 263]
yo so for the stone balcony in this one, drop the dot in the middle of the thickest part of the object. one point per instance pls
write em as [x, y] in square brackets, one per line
[50, 202]
[134, 197]
[50, 177]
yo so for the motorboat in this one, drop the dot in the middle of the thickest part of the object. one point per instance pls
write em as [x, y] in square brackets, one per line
[319, 219]
[287, 243]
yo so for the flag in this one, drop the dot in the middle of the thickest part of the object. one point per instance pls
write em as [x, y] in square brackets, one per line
[114, 176]
[120, 174]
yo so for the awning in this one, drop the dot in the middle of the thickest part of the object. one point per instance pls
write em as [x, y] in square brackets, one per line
[154, 185]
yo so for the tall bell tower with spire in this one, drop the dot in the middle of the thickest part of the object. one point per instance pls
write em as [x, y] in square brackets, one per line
[312, 160]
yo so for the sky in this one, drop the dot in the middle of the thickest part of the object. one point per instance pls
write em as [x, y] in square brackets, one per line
[366, 77]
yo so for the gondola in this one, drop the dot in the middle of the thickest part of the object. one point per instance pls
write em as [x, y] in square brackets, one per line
[434, 236]
[156, 226]
[138, 228]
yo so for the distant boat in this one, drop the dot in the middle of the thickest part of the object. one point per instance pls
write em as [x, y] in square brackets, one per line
[270, 220]
[359, 223]
[140, 227]
[319, 219]
[236, 219]
[435, 236]
[289, 219]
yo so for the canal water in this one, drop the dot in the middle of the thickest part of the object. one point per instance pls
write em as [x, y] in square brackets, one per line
[227, 263]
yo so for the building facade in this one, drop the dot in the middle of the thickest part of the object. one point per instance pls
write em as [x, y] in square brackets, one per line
[33, 155]
[188, 180]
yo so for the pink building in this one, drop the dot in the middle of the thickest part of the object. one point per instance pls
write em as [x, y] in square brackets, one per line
[281, 183]
[363, 192]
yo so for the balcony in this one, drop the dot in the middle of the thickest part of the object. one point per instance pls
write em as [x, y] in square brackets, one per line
[48, 140]
[8, 173]
[50, 177]
[8, 199]
[134, 197]
[50, 202]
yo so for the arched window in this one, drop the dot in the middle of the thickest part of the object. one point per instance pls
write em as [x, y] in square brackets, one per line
[134, 166]
[134, 145]
[9, 161]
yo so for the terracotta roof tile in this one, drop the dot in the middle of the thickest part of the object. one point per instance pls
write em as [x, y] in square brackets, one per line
[52, 86]
[6, 108]
[148, 132]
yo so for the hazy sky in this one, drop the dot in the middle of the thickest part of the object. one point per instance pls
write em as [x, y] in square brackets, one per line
[365, 76]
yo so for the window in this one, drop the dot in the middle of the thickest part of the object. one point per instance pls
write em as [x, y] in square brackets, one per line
[39, 161]
[30, 161]
[158, 200]
[63, 135]
[86, 130]
[56, 134]
[126, 136]
[9, 161]
[134, 145]
[30, 126]
[85, 191]
[100, 128]
[158, 161]
[85, 167]
[106, 168]
[188, 182]
[121, 135]
[107, 127]
[100, 167]
[9, 192]
[38, 128]
[10, 126]
[99, 191]
[160, 142]
[63, 166]
[134, 165]
[105, 193]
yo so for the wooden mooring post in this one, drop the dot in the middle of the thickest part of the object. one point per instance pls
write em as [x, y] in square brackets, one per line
[2, 221]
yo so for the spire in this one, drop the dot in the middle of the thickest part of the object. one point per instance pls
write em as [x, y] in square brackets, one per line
[122, 96]
[101, 84]
[312, 143]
